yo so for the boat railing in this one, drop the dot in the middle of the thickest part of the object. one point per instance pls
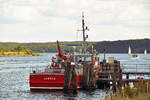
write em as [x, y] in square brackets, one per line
[127, 71]
[126, 68]
[48, 69]
[136, 67]
[136, 71]
[37, 70]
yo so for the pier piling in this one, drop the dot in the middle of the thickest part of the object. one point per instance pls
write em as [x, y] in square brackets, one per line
[70, 74]
[111, 74]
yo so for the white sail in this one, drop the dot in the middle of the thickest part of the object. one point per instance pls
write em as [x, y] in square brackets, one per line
[145, 52]
[129, 50]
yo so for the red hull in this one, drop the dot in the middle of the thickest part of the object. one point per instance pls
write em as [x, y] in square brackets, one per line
[50, 81]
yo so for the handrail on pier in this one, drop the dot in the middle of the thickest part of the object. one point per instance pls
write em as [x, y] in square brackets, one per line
[137, 68]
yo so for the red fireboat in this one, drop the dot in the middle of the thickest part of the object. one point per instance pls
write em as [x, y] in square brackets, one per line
[52, 77]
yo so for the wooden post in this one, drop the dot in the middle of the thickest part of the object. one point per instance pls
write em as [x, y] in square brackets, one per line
[113, 78]
[89, 76]
[86, 75]
[120, 76]
[92, 77]
[70, 74]
[127, 77]
[104, 65]
[74, 79]
[67, 76]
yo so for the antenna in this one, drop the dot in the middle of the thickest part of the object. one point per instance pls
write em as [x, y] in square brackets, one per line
[77, 33]
[83, 30]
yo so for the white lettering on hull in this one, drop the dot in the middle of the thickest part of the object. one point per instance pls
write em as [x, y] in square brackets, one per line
[46, 87]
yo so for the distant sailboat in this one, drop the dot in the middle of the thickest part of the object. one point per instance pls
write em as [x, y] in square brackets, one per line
[129, 51]
[134, 56]
[145, 52]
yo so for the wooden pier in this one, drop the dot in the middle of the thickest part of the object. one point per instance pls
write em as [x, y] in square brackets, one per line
[111, 74]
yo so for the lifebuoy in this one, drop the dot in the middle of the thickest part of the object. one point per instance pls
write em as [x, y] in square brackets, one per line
[57, 65]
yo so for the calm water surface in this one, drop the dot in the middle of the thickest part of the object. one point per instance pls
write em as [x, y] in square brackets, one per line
[14, 78]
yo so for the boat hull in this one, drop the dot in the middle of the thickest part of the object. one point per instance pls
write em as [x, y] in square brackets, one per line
[50, 81]
[135, 58]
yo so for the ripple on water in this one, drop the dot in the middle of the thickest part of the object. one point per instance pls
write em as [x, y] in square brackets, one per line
[14, 78]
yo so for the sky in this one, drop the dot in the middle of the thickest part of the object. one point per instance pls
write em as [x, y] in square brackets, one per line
[51, 20]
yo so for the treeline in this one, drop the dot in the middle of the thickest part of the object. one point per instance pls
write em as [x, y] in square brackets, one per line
[137, 46]
[36, 47]
[42, 47]
[121, 46]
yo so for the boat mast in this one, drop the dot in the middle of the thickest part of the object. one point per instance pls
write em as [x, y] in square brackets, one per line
[83, 30]
[83, 27]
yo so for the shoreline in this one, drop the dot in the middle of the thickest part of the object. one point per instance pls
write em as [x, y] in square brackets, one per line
[9, 54]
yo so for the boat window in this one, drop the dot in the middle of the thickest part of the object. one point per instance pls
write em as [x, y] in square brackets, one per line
[88, 59]
[82, 59]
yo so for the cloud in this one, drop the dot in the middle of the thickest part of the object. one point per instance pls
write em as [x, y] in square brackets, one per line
[135, 15]
[20, 10]
[58, 19]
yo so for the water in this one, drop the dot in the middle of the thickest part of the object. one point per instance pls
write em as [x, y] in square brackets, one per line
[14, 78]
